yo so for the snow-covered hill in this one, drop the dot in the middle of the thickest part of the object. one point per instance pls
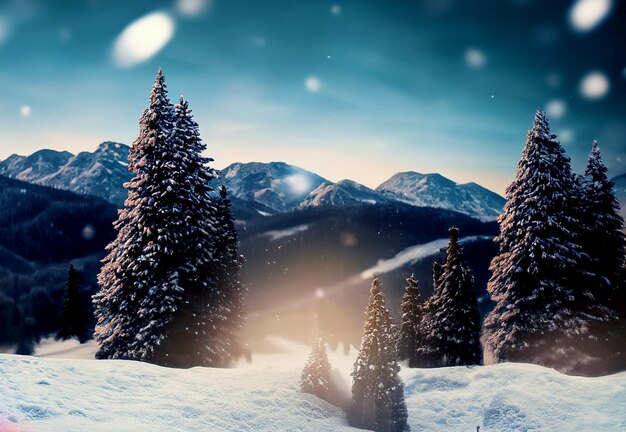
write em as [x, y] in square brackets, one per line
[276, 185]
[344, 192]
[101, 173]
[435, 190]
[87, 395]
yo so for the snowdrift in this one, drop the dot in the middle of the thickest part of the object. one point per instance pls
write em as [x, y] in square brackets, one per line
[59, 394]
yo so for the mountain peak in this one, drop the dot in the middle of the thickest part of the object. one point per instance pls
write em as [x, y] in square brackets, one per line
[100, 173]
[277, 185]
[344, 192]
[435, 190]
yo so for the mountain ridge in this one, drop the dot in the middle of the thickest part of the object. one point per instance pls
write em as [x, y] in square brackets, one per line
[263, 188]
[435, 190]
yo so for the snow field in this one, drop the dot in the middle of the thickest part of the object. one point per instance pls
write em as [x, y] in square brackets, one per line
[56, 394]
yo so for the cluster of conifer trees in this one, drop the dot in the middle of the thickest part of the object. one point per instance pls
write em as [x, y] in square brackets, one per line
[170, 291]
[558, 284]
[558, 279]
[444, 331]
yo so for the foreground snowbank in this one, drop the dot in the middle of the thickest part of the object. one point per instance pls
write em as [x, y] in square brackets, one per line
[51, 394]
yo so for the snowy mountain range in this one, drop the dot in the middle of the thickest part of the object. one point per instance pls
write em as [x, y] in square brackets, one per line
[434, 190]
[100, 173]
[268, 188]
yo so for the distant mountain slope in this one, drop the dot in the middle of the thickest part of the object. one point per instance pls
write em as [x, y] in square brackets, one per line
[344, 192]
[100, 173]
[435, 190]
[43, 231]
[44, 224]
[277, 185]
[34, 167]
[292, 258]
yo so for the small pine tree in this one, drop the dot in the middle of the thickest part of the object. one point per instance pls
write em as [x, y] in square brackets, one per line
[451, 324]
[377, 392]
[73, 318]
[411, 310]
[27, 339]
[316, 375]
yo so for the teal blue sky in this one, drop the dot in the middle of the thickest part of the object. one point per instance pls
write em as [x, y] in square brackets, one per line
[354, 89]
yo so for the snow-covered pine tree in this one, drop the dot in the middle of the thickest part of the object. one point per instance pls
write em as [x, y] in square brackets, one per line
[541, 309]
[74, 319]
[377, 391]
[450, 327]
[316, 375]
[197, 336]
[411, 310]
[228, 279]
[158, 260]
[605, 244]
[139, 264]
[422, 346]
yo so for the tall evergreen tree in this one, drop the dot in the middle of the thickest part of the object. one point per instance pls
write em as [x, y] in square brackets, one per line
[197, 338]
[377, 392]
[605, 244]
[451, 324]
[411, 310]
[316, 375]
[138, 266]
[74, 319]
[542, 310]
[162, 257]
[228, 278]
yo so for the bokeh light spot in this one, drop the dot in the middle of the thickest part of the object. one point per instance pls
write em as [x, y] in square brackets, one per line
[594, 86]
[193, 8]
[475, 58]
[298, 183]
[556, 109]
[312, 84]
[25, 111]
[585, 15]
[143, 38]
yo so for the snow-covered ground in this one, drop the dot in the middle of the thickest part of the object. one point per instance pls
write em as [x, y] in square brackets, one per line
[53, 394]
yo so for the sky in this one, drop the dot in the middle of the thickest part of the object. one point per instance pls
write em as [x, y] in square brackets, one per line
[357, 89]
